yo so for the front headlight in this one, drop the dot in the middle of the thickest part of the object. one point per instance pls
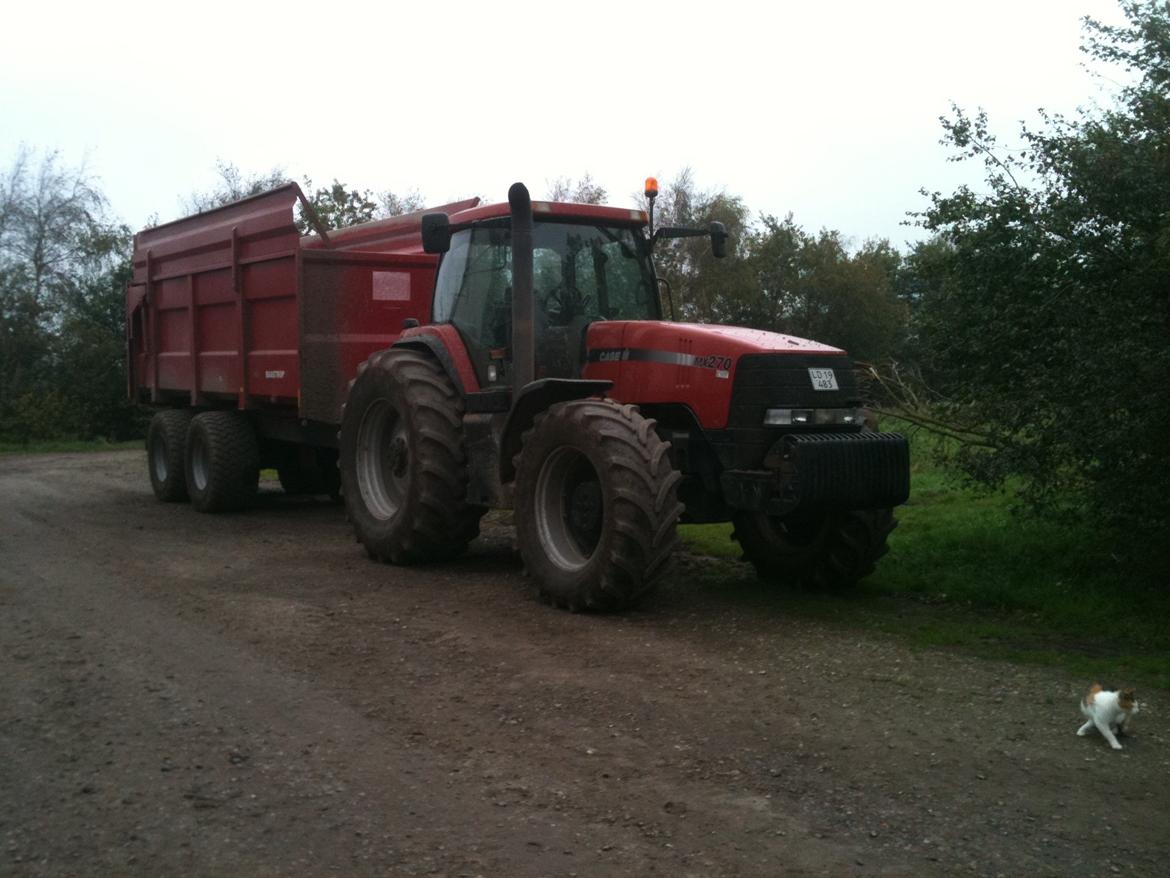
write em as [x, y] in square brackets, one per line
[815, 417]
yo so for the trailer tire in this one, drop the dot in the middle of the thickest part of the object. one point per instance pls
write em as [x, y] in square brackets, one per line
[596, 505]
[166, 454]
[403, 465]
[223, 461]
[824, 551]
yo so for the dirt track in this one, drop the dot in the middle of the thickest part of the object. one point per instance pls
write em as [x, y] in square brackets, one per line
[248, 695]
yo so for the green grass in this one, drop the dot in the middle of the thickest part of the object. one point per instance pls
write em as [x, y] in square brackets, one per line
[968, 570]
[60, 446]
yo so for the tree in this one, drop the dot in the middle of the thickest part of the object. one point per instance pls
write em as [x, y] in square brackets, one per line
[390, 204]
[1047, 316]
[813, 287]
[583, 191]
[699, 282]
[337, 206]
[91, 353]
[233, 184]
[63, 269]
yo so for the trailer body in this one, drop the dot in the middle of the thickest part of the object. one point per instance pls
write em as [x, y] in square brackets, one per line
[235, 307]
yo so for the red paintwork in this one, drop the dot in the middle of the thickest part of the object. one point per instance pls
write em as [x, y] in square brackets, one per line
[240, 278]
[347, 313]
[702, 389]
[541, 209]
[396, 234]
[449, 336]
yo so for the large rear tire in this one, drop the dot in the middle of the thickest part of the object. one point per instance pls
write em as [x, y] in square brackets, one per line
[403, 464]
[596, 505]
[223, 461]
[166, 454]
[820, 550]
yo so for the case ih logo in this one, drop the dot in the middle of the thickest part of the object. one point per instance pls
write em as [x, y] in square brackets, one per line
[717, 362]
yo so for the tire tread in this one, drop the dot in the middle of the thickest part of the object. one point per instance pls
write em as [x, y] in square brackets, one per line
[644, 511]
[443, 523]
[847, 551]
[233, 461]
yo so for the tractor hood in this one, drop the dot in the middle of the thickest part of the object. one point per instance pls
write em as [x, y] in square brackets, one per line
[696, 339]
[755, 341]
[653, 362]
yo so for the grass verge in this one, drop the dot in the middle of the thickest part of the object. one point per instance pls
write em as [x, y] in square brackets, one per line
[62, 446]
[969, 571]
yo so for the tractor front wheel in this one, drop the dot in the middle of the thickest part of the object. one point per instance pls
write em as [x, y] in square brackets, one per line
[825, 550]
[596, 504]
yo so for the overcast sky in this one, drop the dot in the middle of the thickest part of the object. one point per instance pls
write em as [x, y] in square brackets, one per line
[825, 109]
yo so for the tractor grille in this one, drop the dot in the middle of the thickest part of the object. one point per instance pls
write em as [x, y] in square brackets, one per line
[764, 381]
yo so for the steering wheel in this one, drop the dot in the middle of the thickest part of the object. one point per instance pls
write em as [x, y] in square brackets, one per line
[566, 303]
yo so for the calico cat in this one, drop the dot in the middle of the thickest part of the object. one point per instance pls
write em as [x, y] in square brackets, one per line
[1108, 710]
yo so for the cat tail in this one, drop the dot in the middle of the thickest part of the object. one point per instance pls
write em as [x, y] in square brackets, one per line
[1091, 695]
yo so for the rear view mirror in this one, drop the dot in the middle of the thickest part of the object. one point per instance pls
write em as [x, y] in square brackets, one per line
[436, 233]
[718, 239]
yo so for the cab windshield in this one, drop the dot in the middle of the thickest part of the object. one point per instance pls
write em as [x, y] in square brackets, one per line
[581, 273]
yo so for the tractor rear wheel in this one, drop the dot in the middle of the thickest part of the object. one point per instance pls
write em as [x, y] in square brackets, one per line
[596, 504]
[223, 461]
[166, 451]
[403, 464]
[819, 550]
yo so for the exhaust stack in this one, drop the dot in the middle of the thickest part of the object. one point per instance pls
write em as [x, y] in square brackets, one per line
[523, 305]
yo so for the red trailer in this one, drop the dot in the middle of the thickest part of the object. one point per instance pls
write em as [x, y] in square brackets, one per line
[234, 304]
[431, 366]
[235, 308]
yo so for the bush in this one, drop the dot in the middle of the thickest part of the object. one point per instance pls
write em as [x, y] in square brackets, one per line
[1044, 312]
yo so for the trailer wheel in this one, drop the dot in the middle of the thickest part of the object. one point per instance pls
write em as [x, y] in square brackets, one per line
[166, 450]
[596, 504]
[403, 465]
[819, 550]
[223, 461]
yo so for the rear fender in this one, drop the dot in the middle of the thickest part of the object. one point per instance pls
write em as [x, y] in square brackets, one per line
[535, 398]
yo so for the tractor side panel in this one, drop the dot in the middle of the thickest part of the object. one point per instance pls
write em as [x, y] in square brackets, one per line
[653, 362]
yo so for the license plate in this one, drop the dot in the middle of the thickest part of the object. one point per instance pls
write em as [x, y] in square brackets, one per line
[823, 379]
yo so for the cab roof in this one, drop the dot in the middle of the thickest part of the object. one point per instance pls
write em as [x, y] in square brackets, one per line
[558, 209]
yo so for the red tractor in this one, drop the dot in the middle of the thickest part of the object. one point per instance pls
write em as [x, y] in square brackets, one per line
[538, 374]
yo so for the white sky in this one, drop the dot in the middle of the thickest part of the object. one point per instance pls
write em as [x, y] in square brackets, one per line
[829, 110]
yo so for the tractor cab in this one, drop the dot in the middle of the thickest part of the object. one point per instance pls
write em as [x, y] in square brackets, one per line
[590, 265]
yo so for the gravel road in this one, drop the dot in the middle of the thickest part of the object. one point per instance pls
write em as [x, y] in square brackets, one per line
[249, 695]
